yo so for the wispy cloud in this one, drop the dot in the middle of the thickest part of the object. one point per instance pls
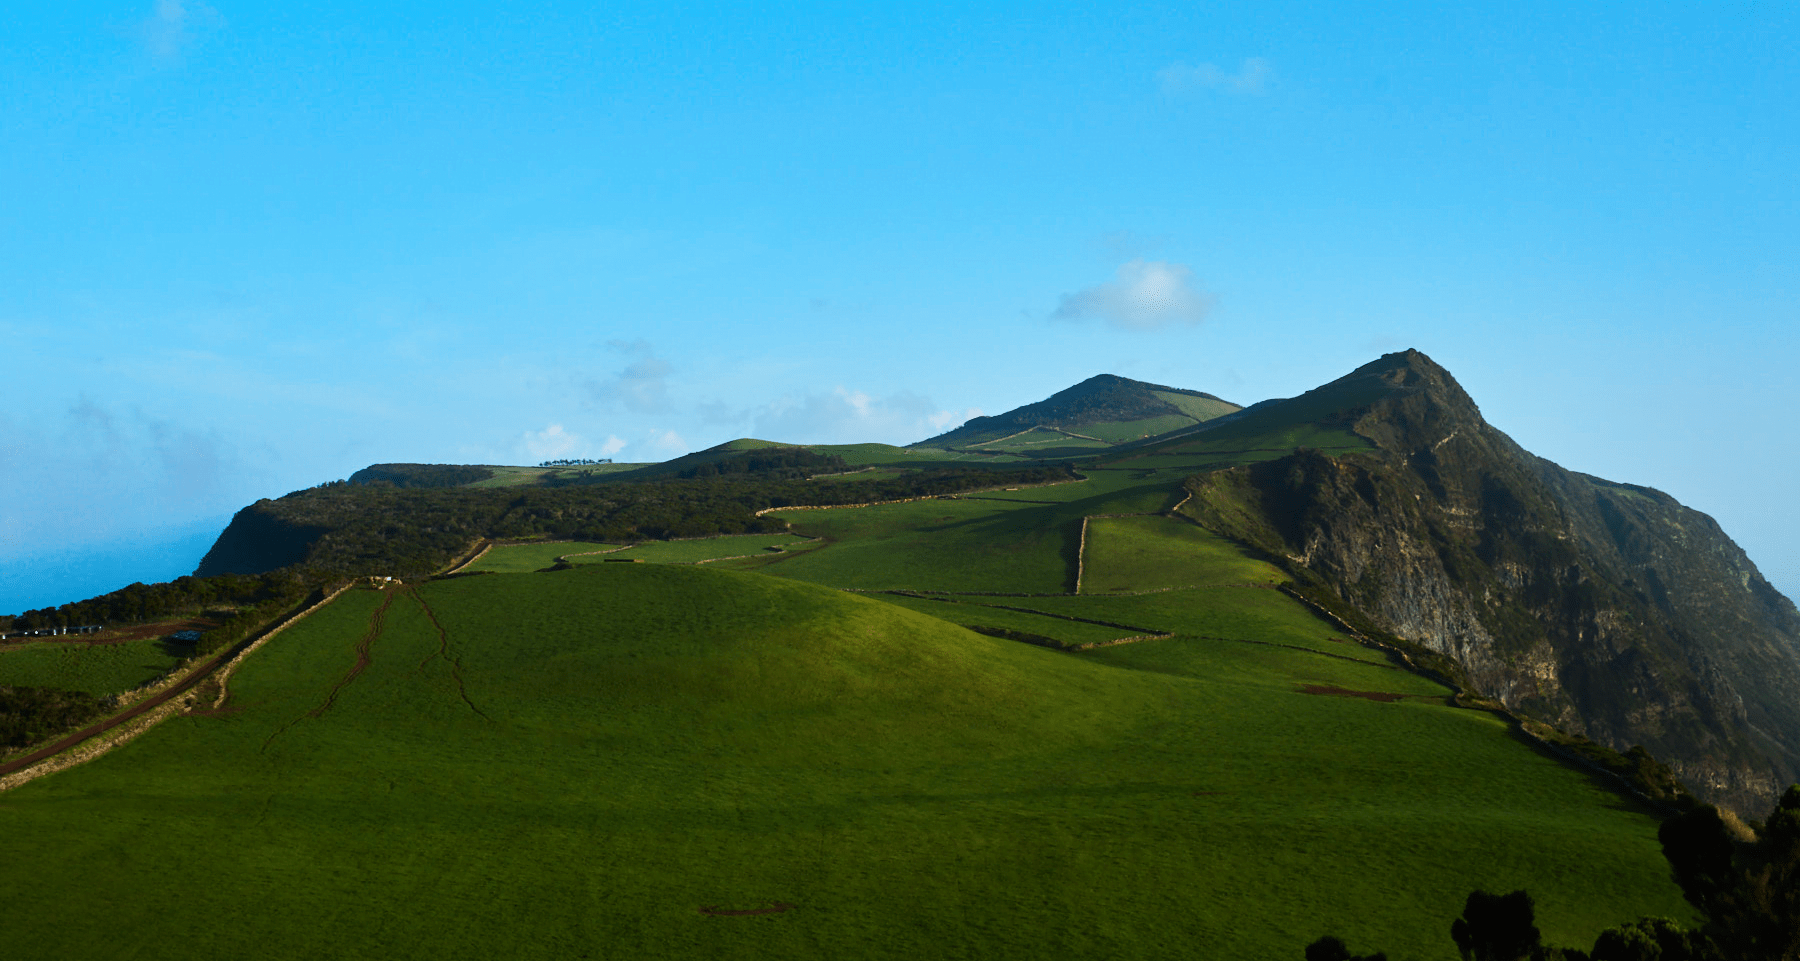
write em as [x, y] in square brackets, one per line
[175, 25]
[113, 468]
[1252, 77]
[1143, 295]
[642, 386]
[844, 415]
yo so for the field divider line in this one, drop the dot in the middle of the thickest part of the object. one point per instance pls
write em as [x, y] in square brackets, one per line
[231, 667]
[484, 546]
[564, 558]
[443, 651]
[999, 439]
[1092, 645]
[144, 714]
[1080, 556]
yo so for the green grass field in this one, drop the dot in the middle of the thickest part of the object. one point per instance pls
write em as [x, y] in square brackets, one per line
[1198, 408]
[973, 613]
[97, 669]
[705, 549]
[577, 766]
[520, 558]
[941, 544]
[1152, 552]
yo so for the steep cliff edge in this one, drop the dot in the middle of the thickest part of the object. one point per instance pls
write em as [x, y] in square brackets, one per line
[1607, 609]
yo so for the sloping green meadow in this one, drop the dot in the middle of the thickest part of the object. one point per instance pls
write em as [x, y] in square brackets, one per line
[520, 558]
[701, 549]
[97, 669]
[1152, 552]
[646, 761]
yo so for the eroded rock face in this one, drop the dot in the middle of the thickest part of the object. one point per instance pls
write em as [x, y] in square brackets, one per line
[1607, 609]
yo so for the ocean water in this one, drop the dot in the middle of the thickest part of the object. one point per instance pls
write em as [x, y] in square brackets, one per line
[54, 576]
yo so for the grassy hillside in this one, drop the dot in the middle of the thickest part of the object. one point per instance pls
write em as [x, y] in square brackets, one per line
[97, 669]
[553, 765]
[520, 558]
[1100, 412]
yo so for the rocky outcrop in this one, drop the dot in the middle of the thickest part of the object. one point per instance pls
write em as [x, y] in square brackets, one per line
[1607, 609]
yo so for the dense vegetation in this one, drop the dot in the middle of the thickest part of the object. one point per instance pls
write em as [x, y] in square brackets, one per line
[775, 464]
[32, 714]
[145, 603]
[421, 475]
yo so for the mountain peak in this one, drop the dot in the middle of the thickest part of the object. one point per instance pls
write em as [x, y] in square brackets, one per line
[1101, 411]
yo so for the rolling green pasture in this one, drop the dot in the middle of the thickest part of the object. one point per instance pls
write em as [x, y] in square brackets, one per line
[1037, 439]
[577, 767]
[519, 558]
[1137, 429]
[1023, 541]
[705, 549]
[97, 669]
[1153, 551]
[1198, 408]
[973, 613]
[939, 544]
[1244, 613]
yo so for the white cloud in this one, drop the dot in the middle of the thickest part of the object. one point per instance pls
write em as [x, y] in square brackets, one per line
[1144, 295]
[1252, 78]
[613, 445]
[551, 443]
[175, 25]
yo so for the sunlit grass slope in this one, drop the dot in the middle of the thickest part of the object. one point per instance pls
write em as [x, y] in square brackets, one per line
[519, 558]
[584, 762]
[1152, 552]
[705, 549]
[97, 669]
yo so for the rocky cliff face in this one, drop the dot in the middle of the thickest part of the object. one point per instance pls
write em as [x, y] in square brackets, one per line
[1607, 609]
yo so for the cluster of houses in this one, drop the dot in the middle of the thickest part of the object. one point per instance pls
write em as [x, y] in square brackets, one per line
[54, 631]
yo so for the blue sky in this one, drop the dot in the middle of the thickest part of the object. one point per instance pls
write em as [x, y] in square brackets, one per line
[245, 248]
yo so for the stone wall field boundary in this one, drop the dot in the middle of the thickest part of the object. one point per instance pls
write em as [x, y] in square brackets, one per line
[93, 747]
[484, 546]
[1080, 556]
[224, 674]
[107, 740]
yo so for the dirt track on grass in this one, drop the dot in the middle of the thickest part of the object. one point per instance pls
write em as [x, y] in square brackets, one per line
[773, 907]
[1382, 696]
[142, 707]
[86, 744]
[377, 621]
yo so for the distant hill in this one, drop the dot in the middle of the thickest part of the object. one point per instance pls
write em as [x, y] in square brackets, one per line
[1100, 412]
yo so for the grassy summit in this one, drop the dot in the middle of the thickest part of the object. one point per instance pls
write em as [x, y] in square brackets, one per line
[1097, 413]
